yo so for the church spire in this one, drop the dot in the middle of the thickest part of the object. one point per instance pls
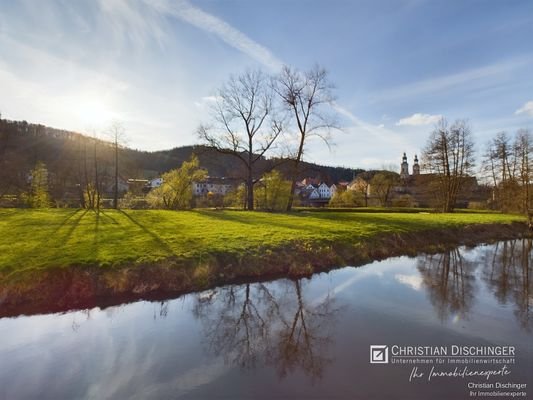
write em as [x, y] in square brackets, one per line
[416, 167]
[404, 171]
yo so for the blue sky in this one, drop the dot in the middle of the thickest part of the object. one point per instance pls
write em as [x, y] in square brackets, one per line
[397, 65]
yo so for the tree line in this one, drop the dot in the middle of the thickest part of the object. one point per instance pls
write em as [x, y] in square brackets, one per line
[259, 126]
[72, 161]
[505, 166]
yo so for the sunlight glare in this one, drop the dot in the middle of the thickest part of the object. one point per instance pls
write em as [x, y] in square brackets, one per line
[93, 112]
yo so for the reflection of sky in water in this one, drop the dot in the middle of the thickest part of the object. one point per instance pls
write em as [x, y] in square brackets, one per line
[188, 348]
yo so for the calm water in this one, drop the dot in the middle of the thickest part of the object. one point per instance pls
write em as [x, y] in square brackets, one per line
[282, 339]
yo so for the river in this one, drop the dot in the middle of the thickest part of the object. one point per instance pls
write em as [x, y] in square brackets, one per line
[290, 339]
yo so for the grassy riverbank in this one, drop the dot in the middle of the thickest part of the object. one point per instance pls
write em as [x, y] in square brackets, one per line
[59, 260]
[31, 239]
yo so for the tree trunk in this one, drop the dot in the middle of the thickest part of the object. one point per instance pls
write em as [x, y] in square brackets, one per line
[115, 194]
[250, 193]
[295, 172]
[250, 175]
[291, 194]
[96, 182]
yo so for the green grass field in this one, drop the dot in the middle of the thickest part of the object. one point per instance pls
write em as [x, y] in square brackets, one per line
[62, 237]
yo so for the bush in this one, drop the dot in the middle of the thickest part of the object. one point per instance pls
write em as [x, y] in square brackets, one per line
[405, 200]
[272, 192]
[133, 202]
[175, 193]
[347, 198]
[478, 205]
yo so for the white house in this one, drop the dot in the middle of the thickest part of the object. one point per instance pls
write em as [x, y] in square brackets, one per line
[221, 186]
[314, 195]
[324, 191]
[155, 183]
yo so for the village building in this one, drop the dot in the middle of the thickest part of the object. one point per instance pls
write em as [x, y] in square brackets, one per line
[214, 185]
[419, 189]
[155, 183]
[137, 186]
[338, 187]
[416, 189]
[314, 193]
[404, 168]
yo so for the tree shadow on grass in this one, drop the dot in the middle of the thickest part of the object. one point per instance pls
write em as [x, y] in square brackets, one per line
[54, 239]
[68, 218]
[315, 223]
[62, 239]
[164, 245]
[222, 215]
[246, 217]
[109, 217]
[96, 230]
[383, 223]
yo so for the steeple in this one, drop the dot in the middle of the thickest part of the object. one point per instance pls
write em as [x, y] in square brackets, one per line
[404, 171]
[416, 167]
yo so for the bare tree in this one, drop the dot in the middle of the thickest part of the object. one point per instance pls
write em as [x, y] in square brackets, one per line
[523, 147]
[268, 324]
[117, 133]
[450, 281]
[507, 268]
[97, 193]
[243, 124]
[303, 341]
[382, 185]
[238, 322]
[361, 185]
[507, 164]
[498, 159]
[306, 97]
[449, 155]
[89, 174]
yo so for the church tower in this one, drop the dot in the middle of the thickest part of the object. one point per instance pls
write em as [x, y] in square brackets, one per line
[416, 167]
[404, 172]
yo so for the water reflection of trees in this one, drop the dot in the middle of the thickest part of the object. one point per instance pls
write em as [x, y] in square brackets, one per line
[505, 267]
[507, 271]
[302, 341]
[268, 324]
[450, 279]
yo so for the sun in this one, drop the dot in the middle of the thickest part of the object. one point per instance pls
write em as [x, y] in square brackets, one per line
[93, 112]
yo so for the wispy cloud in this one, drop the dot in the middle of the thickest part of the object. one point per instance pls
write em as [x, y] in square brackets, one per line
[526, 109]
[205, 101]
[468, 78]
[184, 11]
[133, 21]
[352, 146]
[212, 24]
[379, 132]
[90, 68]
[418, 119]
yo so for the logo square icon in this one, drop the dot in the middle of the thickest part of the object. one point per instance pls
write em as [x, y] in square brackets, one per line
[379, 354]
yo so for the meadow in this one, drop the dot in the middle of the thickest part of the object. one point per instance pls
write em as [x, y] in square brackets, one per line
[31, 239]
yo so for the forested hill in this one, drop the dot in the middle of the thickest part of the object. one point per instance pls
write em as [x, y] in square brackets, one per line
[66, 156]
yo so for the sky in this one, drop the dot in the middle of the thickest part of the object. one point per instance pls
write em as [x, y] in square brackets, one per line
[398, 66]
